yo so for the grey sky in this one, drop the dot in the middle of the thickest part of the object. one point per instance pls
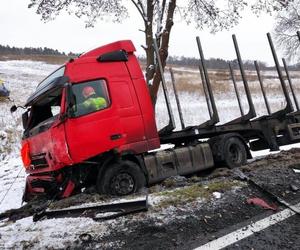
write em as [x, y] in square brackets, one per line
[21, 27]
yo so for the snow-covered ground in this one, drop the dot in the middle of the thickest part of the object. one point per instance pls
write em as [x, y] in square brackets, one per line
[21, 78]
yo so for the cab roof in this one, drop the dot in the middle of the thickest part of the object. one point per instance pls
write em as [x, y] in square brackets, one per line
[125, 45]
[57, 83]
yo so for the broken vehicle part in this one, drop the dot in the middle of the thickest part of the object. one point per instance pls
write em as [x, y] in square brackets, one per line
[114, 210]
[244, 177]
[260, 202]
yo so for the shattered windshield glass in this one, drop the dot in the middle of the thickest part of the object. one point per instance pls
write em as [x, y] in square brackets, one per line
[59, 72]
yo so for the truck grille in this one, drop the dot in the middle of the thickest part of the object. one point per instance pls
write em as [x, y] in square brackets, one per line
[39, 161]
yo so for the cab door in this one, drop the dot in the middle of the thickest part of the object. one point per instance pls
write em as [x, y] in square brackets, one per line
[91, 132]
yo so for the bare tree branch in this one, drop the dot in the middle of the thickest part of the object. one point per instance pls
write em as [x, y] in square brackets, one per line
[139, 7]
[288, 23]
[159, 14]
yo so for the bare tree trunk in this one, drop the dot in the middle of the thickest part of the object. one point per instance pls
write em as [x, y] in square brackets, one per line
[148, 37]
[163, 50]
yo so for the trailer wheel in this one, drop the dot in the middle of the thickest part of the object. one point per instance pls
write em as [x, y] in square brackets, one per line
[121, 178]
[234, 152]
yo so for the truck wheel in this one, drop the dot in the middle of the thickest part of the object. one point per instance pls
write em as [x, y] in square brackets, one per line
[235, 153]
[121, 178]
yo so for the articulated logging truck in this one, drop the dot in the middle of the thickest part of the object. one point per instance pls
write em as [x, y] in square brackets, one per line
[71, 142]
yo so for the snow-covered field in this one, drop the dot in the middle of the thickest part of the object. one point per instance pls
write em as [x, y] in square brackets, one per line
[21, 78]
[194, 105]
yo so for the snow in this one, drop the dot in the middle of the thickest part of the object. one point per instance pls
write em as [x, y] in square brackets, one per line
[21, 78]
[53, 233]
[217, 195]
[262, 153]
[12, 182]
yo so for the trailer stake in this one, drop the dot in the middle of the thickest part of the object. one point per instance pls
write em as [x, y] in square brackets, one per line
[215, 117]
[171, 126]
[289, 107]
[205, 91]
[262, 87]
[236, 89]
[290, 83]
[177, 99]
[251, 112]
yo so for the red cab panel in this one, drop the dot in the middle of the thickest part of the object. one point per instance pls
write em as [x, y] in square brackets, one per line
[124, 120]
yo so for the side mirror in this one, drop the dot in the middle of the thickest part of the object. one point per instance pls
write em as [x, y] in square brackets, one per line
[71, 101]
[13, 109]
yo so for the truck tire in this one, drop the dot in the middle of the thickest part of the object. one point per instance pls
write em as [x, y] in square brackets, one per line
[234, 152]
[121, 178]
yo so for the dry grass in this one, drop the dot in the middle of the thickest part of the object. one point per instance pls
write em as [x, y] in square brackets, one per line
[221, 82]
[51, 59]
[191, 82]
[3, 99]
[197, 191]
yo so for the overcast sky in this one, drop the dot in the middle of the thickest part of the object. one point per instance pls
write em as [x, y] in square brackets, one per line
[21, 27]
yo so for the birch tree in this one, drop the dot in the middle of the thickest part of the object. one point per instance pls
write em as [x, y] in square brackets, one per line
[157, 19]
[288, 23]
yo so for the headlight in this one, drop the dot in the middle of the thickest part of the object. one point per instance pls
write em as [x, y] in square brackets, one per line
[25, 153]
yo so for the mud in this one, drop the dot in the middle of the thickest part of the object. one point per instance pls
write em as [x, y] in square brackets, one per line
[192, 225]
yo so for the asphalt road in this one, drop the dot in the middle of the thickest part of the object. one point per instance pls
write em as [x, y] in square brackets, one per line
[283, 235]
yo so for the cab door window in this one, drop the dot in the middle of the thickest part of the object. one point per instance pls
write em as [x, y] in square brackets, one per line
[90, 97]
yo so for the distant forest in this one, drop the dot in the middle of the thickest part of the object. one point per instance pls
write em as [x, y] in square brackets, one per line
[212, 63]
[217, 63]
[7, 50]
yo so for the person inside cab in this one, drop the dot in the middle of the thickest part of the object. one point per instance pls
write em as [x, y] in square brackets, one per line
[91, 102]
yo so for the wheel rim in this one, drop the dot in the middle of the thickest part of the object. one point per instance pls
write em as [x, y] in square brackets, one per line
[235, 153]
[122, 184]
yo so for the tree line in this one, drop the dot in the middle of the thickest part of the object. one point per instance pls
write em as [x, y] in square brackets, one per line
[214, 63]
[218, 63]
[31, 51]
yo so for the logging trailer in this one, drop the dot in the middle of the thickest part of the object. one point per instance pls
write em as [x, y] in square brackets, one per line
[112, 147]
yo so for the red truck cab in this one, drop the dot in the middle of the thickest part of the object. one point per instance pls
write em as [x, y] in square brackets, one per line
[66, 143]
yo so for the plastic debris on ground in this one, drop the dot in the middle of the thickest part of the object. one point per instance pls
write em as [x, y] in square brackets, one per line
[217, 195]
[261, 203]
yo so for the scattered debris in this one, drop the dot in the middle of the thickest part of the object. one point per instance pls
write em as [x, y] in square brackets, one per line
[111, 211]
[175, 181]
[221, 172]
[260, 202]
[294, 188]
[217, 195]
[85, 237]
[283, 202]
[297, 171]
